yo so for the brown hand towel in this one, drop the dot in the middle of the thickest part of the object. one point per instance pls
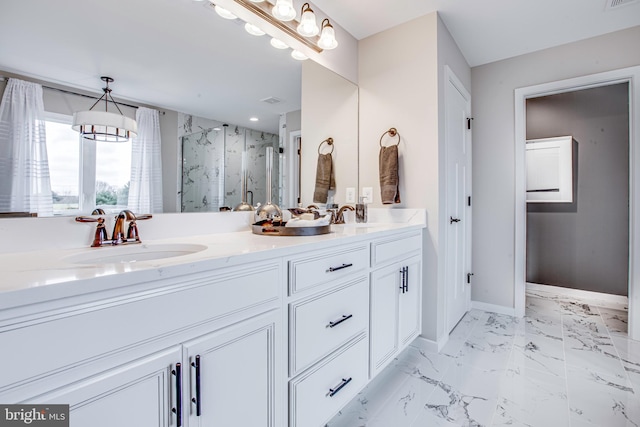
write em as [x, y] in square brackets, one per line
[325, 180]
[389, 179]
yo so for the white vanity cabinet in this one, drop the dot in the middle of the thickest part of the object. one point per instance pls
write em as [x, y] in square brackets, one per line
[282, 334]
[232, 375]
[140, 393]
[328, 332]
[396, 289]
[125, 359]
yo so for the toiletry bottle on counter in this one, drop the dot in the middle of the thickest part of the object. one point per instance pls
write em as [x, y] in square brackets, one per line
[361, 211]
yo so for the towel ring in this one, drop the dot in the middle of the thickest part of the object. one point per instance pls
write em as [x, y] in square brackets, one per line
[392, 132]
[329, 142]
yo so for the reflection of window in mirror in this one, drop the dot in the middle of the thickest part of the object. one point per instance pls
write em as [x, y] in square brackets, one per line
[88, 175]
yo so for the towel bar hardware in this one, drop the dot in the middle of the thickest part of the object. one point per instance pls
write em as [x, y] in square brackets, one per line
[332, 269]
[329, 142]
[393, 132]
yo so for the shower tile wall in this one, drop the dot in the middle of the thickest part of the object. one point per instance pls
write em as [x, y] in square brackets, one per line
[211, 172]
[202, 171]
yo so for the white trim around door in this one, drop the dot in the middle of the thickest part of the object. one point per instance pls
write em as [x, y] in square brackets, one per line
[632, 76]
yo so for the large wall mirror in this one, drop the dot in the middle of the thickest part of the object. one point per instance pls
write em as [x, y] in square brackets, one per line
[202, 72]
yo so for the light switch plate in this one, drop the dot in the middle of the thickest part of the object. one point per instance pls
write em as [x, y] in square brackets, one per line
[367, 194]
[350, 197]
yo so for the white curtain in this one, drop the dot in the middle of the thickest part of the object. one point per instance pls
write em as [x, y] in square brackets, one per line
[145, 189]
[24, 169]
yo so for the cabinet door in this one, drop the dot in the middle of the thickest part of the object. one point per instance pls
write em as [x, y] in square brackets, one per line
[141, 394]
[233, 375]
[409, 314]
[383, 316]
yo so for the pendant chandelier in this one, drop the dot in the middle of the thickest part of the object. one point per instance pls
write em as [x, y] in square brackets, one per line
[104, 125]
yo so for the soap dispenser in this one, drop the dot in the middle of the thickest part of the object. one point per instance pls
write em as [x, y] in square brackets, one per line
[361, 210]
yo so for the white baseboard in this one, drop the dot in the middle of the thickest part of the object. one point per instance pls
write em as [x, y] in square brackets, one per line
[493, 308]
[430, 345]
[577, 293]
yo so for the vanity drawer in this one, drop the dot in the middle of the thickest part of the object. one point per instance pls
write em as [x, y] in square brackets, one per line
[323, 390]
[323, 267]
[320, 324]
[385, 250]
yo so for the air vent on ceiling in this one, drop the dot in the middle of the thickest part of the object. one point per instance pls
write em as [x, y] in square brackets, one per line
[612, 4]
[271, 100]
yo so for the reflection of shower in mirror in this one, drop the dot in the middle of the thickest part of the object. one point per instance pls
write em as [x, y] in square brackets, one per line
[212, 167]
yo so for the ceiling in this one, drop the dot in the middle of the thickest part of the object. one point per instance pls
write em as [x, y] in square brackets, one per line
[491, 30]
[179, 55]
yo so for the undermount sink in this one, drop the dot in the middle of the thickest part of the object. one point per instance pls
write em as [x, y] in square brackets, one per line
[134, 253]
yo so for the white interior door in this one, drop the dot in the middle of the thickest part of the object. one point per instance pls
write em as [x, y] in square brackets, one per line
[458, 195]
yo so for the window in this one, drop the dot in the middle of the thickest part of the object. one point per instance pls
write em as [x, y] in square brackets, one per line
[85, 175]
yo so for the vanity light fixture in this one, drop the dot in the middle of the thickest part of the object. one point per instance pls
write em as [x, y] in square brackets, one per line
[281, 15]
[328, 36]
[103, 125]
[308, 26]
[284, 10]
[278, 44]
[296, 54]
[253, 29]
[224, 13]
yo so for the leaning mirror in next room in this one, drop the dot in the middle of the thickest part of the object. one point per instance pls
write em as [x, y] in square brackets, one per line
[199, 71]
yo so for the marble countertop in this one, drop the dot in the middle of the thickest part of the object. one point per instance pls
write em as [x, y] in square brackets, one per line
[44, 275]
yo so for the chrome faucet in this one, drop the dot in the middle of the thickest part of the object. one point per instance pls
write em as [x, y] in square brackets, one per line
[118, 236]
[340, 214]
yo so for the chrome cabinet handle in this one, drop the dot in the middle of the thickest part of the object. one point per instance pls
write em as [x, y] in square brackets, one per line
[335, 390]
[332, 269]
[178, 409]
[196, 400]
[336, 323]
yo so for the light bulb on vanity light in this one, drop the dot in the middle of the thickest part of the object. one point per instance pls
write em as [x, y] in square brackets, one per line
[284, 10]
[307, 26]
[328, 36]
[253, 29]
[278, 44]
[296, 54]
[224, 13]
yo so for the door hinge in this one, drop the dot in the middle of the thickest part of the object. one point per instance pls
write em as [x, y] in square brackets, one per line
[468, 200]
[469, 123]
[469, 277]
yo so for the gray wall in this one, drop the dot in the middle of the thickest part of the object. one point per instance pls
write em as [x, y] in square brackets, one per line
[493, 108]
[584, 244]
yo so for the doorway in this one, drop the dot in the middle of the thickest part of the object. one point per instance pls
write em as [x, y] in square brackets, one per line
[582, 240]
[631, 76]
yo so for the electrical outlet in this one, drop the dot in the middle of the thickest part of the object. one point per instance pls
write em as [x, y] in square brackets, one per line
[367, 194]
[350, 197]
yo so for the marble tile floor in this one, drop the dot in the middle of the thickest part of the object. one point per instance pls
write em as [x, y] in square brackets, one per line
[568, 362]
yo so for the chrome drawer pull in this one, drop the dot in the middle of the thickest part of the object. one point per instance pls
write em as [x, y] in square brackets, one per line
[334, 391]
[332, 324]
[332, 269]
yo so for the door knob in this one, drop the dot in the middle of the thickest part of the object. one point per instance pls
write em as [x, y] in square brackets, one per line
[452, 220]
